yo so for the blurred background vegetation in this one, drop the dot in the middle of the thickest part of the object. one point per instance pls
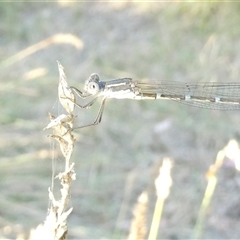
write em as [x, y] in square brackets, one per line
[119, 159]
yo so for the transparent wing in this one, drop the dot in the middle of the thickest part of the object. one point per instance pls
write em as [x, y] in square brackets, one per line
[220, 96]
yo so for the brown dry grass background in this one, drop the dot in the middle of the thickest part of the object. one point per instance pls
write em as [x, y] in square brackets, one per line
[119, 159]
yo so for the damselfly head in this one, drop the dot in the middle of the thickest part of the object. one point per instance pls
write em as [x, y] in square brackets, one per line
[92, 84]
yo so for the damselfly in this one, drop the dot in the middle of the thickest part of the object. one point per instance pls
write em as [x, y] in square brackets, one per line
[220, 96]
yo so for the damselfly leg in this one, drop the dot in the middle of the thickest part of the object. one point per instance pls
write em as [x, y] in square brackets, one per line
[98, 118]
[85, 95]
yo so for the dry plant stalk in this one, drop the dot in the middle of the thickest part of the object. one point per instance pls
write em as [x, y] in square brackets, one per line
[138, 227]
[163, 184]
[55, 39]
[55, 225]
[231, 151]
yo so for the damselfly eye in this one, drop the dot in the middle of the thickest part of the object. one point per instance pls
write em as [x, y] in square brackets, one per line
[92, 84]
[94, 77]
[93, 87]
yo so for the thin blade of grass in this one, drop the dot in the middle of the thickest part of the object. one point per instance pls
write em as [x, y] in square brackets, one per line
[163, 184]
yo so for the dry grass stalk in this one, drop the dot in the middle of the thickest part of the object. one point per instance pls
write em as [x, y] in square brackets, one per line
[163, 184]
[231, 151]
[55, 39]
[55, 225]
[138, 227]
